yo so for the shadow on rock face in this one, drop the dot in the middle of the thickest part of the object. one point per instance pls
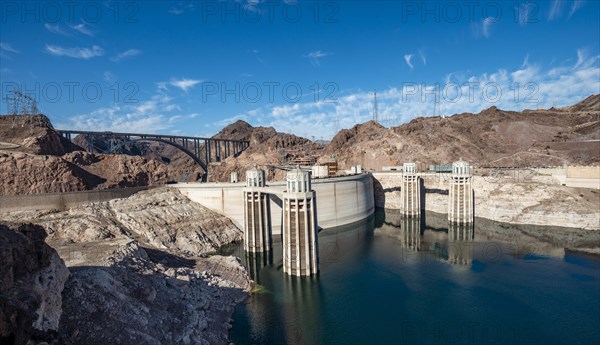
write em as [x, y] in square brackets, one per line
[32, 276]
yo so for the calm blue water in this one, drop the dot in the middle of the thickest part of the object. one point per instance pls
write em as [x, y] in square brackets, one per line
[394, 281]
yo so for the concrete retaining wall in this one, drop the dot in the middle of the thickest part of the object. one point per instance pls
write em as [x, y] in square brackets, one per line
[340, 200]
[63, 201]
[583, 172]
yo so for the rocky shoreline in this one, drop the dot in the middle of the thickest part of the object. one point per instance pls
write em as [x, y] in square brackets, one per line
[126, 271]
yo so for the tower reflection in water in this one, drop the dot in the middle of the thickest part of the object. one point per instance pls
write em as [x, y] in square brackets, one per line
[410, 233]
[460, 246]
[295, 305]
[255, 262]
[302, 310]
[453, 244]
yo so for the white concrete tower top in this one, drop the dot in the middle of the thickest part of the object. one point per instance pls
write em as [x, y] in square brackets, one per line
[298, 181]
[461, 168]
[409, 168]
[255, 177]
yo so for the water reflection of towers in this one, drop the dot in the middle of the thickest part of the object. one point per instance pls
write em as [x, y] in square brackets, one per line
[302, 312]
[460, 243]
[410, 233]
[256, 262]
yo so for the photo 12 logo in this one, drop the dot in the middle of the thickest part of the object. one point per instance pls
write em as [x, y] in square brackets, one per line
[270, 11]
[71, 92]
[69, 11]
[470, 11]
[269, 91]
[491, 92]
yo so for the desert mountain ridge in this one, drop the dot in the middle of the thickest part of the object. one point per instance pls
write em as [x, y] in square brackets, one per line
[34, 158]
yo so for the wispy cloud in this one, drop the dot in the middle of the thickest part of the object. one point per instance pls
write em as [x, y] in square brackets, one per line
[75, 52]
[422, 56]
[407, 59]
[315, 56]
[126, 54]
[183, 83]
[255, 52]
[230, 120]
[524, 13]
[487, 24]
[483, 28]
[584, 60]
[180, 9]
[575, 6]
[6, 47]
[555, 10]
[56, 29]
[559, 86]
[108, 77]
[82, 28]
[147, 116]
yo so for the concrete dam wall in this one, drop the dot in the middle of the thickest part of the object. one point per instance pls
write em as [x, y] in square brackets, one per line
[339, 200]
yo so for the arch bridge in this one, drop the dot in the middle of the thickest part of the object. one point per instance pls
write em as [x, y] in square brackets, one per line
[202, 150]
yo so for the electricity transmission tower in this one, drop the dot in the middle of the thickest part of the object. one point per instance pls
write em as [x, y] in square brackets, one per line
[19, 103]
[375, 108]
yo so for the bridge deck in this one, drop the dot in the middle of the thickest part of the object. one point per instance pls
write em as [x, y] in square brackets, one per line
[202, 150]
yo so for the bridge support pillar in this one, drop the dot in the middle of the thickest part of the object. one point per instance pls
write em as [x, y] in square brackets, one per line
[257, 214]
[300, 244]
[460, 196]
[410, 190]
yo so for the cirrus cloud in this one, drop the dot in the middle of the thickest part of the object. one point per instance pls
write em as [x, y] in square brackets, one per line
[75, 52]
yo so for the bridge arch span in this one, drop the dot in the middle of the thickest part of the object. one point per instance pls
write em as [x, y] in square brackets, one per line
[180, 147]
[203, 151]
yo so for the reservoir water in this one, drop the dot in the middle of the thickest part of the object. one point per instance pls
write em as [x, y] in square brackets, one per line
[391, 280]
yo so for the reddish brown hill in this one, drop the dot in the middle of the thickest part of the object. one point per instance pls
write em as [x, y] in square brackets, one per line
[32, 134]
[492, 137]
[35, 159]
[267, 147]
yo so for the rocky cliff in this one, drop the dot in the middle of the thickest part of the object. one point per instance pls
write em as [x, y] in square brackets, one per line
[32, 277]
[34, 158]
[25, 173]
[126, 294]
[33, 134]
[139, 273]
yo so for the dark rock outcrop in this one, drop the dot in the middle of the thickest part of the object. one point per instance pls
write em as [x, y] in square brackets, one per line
[32, 277]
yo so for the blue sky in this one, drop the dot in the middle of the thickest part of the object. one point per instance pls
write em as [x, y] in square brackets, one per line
[306, 67]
